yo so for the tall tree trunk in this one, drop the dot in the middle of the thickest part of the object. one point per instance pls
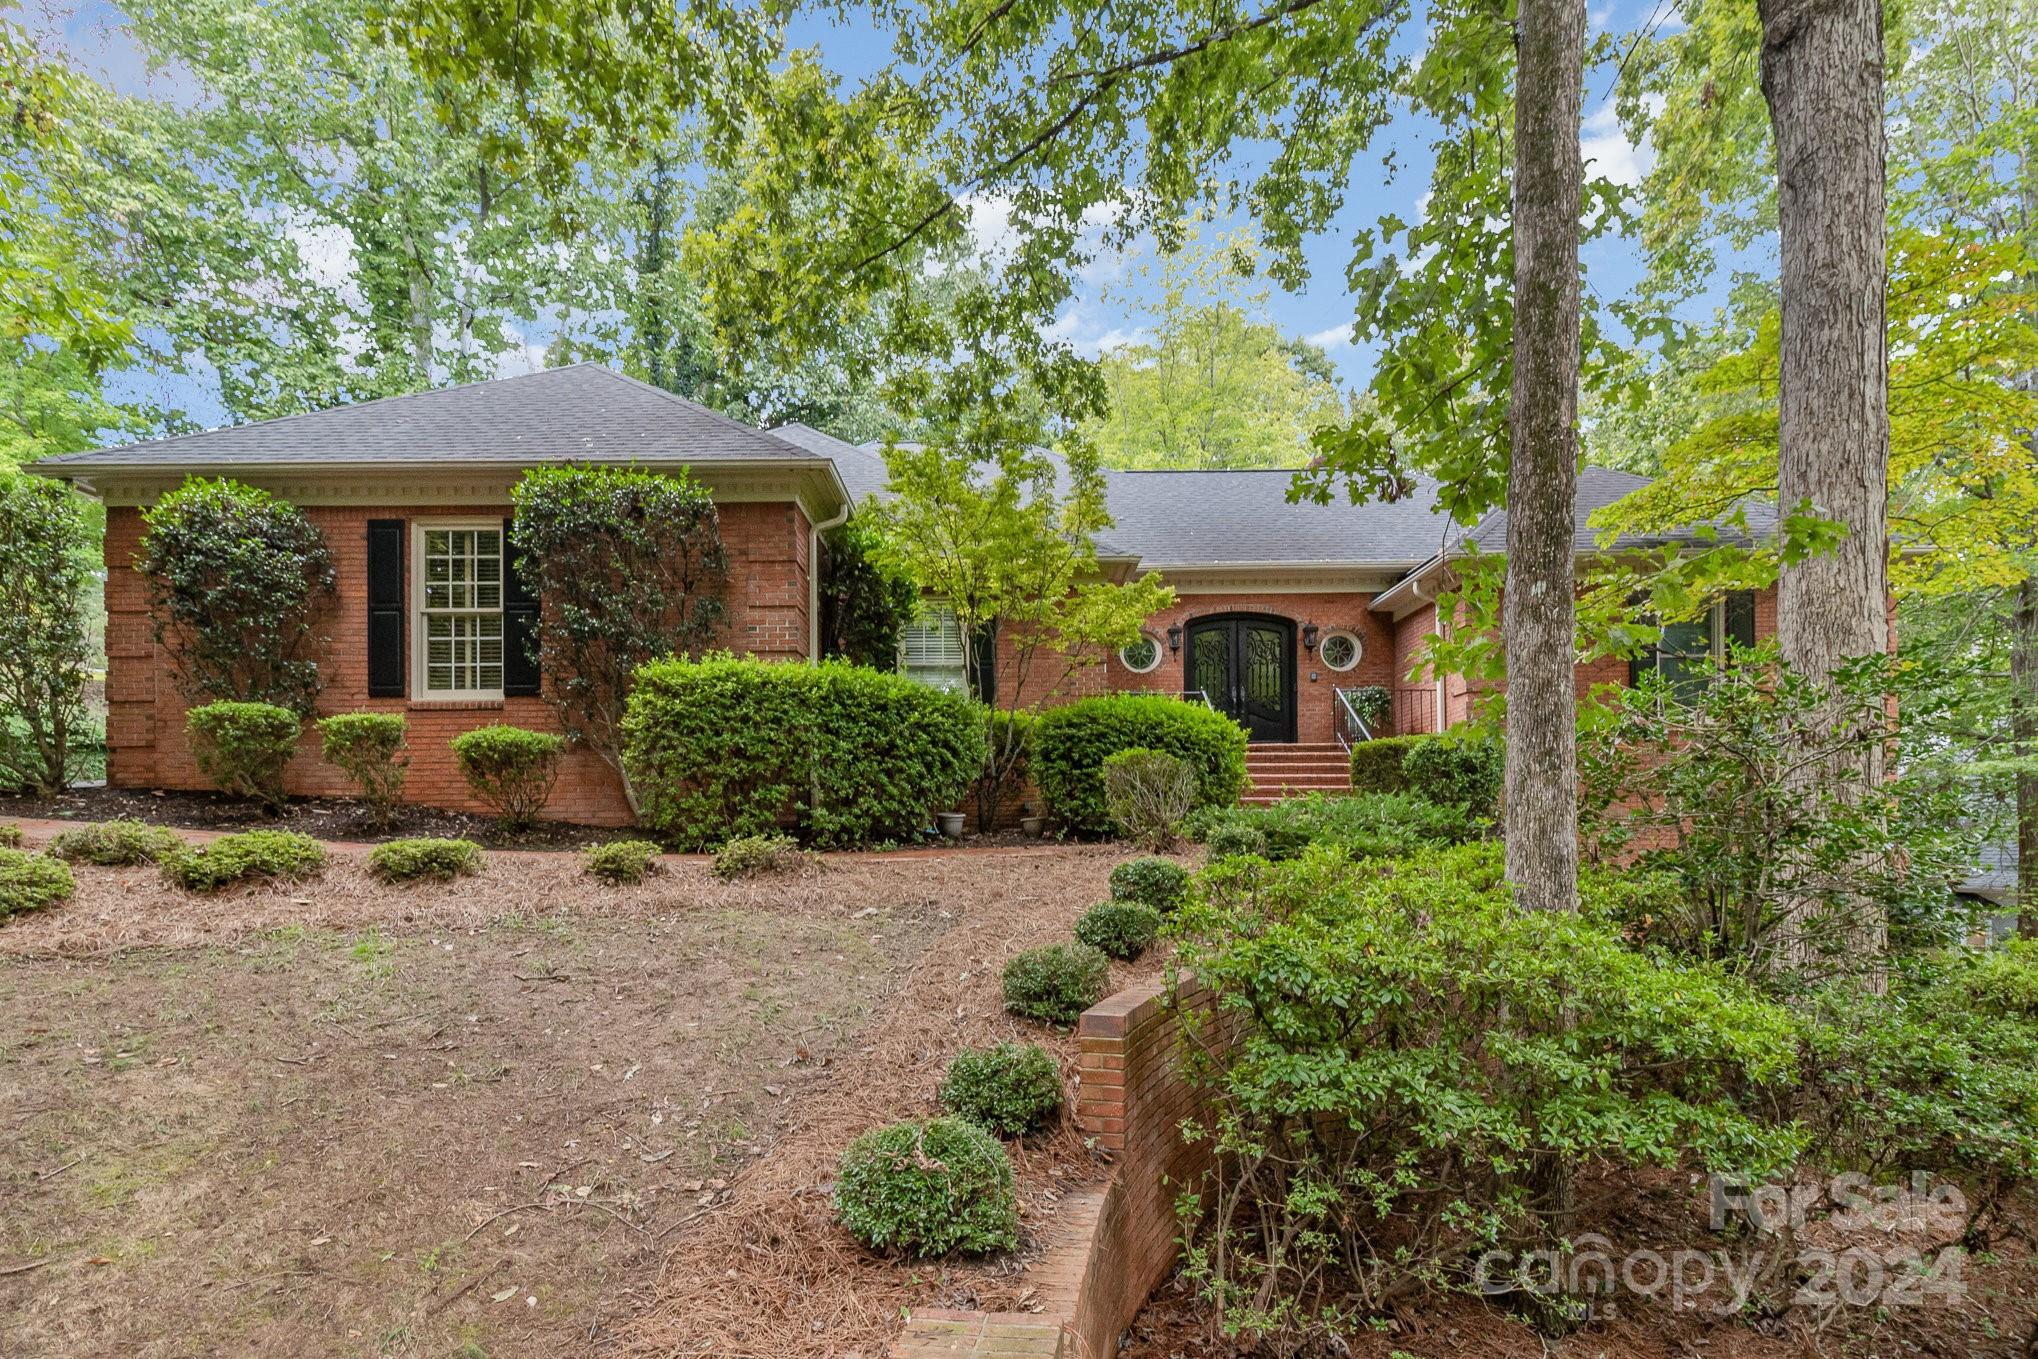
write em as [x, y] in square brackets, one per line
[1539, 620]
[2024, 734]
[1822, 69]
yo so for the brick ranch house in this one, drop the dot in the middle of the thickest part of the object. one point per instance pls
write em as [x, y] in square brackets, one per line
[1279, 607]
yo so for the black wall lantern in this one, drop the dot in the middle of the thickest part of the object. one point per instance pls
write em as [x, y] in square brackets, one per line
[1309, 632]
[1174, 637]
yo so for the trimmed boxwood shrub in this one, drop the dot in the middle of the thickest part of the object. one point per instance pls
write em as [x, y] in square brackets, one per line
[424, 856]
[243, 748]
[622, 862]
[511, 769]
[1121, 929]
[1071, 743]
[721, 747]
[369, 748]
[32, 882]
[923, 1189]
[1151, 881]
[1057, 983]
[1457, 773]
[117, 843]
[1010, 1089]
[1376, 764]
[245, 857]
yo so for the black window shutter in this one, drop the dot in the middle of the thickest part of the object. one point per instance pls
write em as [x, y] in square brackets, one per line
[1741, 617]
[519, 626]
[386, 671]
[983, 660]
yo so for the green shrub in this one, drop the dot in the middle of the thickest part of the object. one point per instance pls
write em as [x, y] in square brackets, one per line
[10, 836]
[1363, 824]
[1119, 929]
[1455, 772]
[623, 862]
[510, 769]
[750, 856]
[1376, 764]
[369, 748]
[1057, 983]
[721, 747]
[1233, 838]
[249, 855]
[1197, 825]
[46, 549]
[115, 843]
[924, 1189]
[1071, 743]
[424, 856]
[243, 748]
[1148, 793]
[1010, 1089]
[1394, 1073]
[237, 581]
[32, 882]
[1374, 704]
[1159, 883]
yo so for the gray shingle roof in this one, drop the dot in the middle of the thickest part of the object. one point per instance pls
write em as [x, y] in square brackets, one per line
[585, 413]
[1599, 487]
[862, 469]
[1209, 518]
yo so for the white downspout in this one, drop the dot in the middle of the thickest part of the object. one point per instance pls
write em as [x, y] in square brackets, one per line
[814, 532]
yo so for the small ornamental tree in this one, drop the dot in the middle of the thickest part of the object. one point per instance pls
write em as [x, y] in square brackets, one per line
[42, 638]
[628, 567]
[865, 602]
[237, 582]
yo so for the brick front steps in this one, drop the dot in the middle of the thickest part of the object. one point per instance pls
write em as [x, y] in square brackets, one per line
[1274, 772]
[1106, 1248]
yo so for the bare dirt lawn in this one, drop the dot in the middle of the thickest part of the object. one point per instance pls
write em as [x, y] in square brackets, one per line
[522, 1114]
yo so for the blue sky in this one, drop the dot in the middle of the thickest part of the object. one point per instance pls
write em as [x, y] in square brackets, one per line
[1105, 309]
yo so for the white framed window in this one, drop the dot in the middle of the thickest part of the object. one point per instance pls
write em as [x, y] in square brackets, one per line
[1340, 649]
[457, 570]
[931, 651]
[1142, 656]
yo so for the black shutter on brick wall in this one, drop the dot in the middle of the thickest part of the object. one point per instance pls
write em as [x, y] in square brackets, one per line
[519, 626]
[386, 671]
[983, 663]
[1741, 617]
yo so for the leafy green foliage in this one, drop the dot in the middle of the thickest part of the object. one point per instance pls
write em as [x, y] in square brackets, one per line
[1010, 1089]
[1362, 824]
[866, 601]
[628, 567]
[43, 646]
[1057, 983]
[1119, 929]
[1230, 838]
[1072, 742]
[246, 857]
[511, 769]
[1455, 771]
[10, 836]
[32, 882]
[424, 856]
[1150, 881]
[237, 582]
[1376, 764]
[622, 862]
[750, 856]
[243, 748]
[925, 1189]
[1403, 1040]
[722, 747]
[1374, 704]
[1147, 793]
[370, 749]
[1008, 760]
[117, 843]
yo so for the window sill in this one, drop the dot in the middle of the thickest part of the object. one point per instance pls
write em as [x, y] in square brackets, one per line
[454, 705]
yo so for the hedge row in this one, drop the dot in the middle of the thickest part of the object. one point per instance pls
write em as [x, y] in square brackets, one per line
[1071, 743]
[721, 747]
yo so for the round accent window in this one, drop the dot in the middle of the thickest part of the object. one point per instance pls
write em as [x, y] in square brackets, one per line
[1340, 649]
[1140, 656]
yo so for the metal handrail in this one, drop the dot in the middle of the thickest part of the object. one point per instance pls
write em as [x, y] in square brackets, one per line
[1199, 696]
[1349, 724]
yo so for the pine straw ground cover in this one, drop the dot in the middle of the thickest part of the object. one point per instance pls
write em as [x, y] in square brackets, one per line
[520, 1114]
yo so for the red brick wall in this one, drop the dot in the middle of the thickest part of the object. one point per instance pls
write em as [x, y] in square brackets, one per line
[1315, 718]
[146, 747]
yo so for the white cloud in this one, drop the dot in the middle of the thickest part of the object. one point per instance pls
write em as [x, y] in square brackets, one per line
[1336, 337]
[1608, 151]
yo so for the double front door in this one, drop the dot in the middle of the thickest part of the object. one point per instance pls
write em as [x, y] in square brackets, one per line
[1245, 666]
